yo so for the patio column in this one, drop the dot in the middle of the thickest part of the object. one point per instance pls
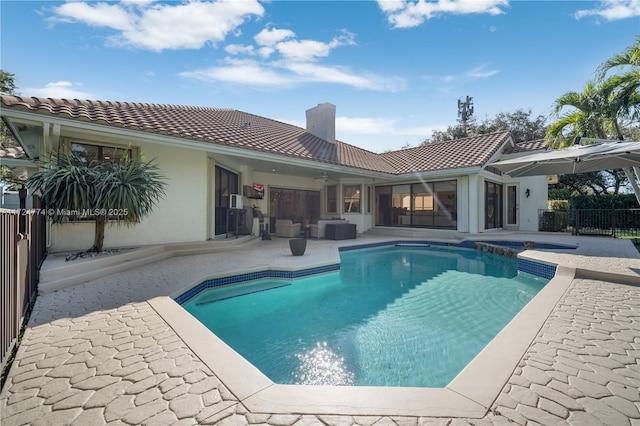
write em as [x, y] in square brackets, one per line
[474, 203]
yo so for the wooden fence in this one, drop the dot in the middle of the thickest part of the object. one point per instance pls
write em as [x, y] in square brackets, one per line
[22, 247]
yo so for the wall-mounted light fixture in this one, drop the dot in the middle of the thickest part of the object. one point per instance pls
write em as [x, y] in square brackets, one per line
[527, 193]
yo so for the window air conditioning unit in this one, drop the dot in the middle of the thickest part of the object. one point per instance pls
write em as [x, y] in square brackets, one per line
[235, 201]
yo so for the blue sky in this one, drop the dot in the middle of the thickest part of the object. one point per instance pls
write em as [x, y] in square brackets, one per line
[394, 69]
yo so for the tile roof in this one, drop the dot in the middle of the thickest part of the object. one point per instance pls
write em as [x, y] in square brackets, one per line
[450, 154]
[229, 127]
[528, 146]
[16, 152]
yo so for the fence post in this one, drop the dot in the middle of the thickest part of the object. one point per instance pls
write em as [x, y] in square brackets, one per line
[22, 194]
[613, 223]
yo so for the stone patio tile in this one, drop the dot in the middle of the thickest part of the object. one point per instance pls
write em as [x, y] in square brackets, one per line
[284, 419]
[119, 407]
[102, 397]
[161, 419]
[524, 396]
[148, 396]
[623, 406]
[553, 408]
[602, 361]
[139, 415]
[206, 385]
[539, 415]
[554, 395]
[92, 416]
[588, 388]
[218, 416]
[630, 393]
[36, 382]
[580, 418]
[336, 420]
[195, 376]
[535, 375]
[21, 396]
[130, 369]
[58, 417]
[73, 401]
[30, 374]
[186, 405]
[96, 382]
[305, 420]
[606, 414]
[176, 392]
[108, 367]
[233, 420]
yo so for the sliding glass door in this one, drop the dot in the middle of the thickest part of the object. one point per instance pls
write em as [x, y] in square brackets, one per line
[299, 205]
[418, 205]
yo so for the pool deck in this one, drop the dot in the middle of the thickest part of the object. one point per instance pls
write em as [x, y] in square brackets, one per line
[101, 352]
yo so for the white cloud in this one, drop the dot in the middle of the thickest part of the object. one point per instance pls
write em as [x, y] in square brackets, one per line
[245, 72]
[151, 26]
[481, 72]
[311, 72]
[238, 49]
[410, 13]
[271, 36]
[612, 10]
[286, 61]
[58, 89]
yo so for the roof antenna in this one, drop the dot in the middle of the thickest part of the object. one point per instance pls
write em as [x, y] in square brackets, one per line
[465, 111]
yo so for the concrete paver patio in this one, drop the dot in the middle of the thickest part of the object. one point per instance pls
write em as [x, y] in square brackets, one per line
[98, 353]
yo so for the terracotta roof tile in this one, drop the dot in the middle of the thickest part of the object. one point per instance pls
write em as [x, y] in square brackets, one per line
[239, 129]
[17, 152]
[527, 146]
[450, 154]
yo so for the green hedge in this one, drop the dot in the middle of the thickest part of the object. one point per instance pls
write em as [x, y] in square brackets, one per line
[620, 201]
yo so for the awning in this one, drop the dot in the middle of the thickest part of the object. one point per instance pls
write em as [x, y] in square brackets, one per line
[578, 159]
[572, 160]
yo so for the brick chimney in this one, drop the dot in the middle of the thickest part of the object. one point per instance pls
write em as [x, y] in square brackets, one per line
[321, 121]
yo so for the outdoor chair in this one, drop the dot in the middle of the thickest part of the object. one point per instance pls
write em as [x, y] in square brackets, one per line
[287, 229]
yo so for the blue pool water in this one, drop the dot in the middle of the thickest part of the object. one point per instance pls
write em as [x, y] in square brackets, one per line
[399, 316]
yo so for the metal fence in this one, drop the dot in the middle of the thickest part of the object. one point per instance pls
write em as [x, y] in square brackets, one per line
[22, 245]
[623, 223]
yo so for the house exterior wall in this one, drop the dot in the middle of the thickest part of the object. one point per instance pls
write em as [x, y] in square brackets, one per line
[180, 217]
[529, 206]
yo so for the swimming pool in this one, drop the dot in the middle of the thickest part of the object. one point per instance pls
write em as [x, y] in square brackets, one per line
[395, 316]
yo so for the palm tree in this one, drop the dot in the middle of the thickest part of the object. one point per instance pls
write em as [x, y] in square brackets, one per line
[623, 89]
[124, 191]
[591, 115]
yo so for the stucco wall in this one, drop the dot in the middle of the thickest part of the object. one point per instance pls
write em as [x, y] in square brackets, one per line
[537, 200]
[181, 216]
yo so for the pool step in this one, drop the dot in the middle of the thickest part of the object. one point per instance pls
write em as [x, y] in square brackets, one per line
[56, 273]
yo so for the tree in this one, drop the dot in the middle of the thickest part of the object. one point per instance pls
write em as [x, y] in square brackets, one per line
[590, 116]
[522, 125]
[607, 108]
[622, 89]
[7, 83]
[8, 87]
[125, 191]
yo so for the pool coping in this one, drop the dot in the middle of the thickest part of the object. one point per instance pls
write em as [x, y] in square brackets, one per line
[470, 394]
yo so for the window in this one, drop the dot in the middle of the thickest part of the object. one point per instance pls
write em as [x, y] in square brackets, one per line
[91, 154]
[352, 198]
[332, 199]
[418, 205]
